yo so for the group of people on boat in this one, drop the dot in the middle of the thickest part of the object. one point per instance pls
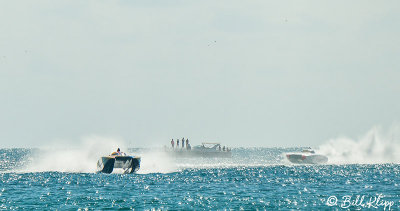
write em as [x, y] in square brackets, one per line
[185, 144]
[224, 149]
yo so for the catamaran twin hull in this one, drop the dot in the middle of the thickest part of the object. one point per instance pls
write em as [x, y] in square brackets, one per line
[128, 164]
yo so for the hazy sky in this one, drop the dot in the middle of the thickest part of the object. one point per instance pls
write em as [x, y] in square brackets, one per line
[245, 73]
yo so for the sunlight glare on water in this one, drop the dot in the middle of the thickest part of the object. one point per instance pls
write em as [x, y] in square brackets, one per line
[252, 178]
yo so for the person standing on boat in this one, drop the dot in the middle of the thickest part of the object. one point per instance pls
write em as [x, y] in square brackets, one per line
[183, 142]
[187, 143]
[172, 143]
[177, 143]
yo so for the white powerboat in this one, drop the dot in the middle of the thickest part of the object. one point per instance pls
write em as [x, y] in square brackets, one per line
[306, 156]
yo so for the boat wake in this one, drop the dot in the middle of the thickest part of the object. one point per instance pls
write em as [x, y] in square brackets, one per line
[156, 161]
[376, 147]
[76, 159]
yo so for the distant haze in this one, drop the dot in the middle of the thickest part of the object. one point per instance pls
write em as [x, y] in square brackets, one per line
[244, 73]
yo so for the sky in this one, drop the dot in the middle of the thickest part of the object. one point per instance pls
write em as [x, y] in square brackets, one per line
[243, 73]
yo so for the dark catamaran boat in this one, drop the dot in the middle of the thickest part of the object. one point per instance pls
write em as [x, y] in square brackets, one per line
[128, 164]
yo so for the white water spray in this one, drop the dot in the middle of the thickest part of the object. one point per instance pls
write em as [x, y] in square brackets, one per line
[156, 161]
[375, 147]
[79, 158]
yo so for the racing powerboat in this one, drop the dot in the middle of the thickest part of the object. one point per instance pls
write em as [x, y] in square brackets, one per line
[306, 156]
[128, 164]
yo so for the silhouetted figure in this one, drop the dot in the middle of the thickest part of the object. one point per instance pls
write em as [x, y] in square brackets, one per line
[183, 142]
[118, 153]
[187, 143]
[172, 143]
[177, 143]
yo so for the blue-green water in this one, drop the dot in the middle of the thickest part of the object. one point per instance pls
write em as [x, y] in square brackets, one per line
[256, 178]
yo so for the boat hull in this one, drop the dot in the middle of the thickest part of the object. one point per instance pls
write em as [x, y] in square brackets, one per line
[128, 164]
[307, 159]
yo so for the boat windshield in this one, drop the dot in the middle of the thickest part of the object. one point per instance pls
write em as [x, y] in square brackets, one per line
[308, 150]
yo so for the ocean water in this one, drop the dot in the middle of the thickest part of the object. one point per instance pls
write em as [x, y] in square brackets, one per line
[254, 178]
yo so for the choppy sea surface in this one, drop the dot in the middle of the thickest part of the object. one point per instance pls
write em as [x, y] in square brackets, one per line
[254, 178]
